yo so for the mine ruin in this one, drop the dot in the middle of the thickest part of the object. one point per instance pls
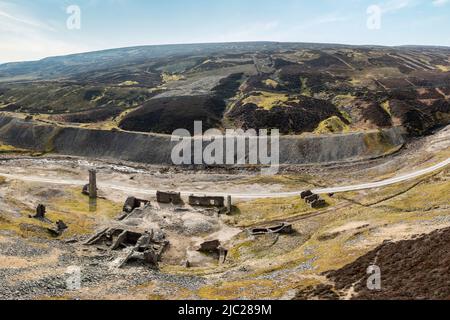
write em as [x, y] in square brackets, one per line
[313, 200]
[169, 197]
[40, 212]
[138, 246]
[282, 228]
[218, 202]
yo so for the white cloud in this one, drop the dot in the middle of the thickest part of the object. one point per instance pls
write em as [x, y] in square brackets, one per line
[396, 5]
[23, 37]
[440, 3]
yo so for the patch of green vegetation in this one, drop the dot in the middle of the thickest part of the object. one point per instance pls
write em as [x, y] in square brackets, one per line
[443, 68]
[305, 90]
[343, 100]
[5, 148]
[332, 125]
[271, 83]
[386, 106]
[266, 210]
[76, 210]
[168, 77]
[346, 116]
[266, 100]
[424, 196]
[238, 289]
[58, 98]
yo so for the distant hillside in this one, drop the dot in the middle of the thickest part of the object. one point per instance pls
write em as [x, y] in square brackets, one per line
[295, 87]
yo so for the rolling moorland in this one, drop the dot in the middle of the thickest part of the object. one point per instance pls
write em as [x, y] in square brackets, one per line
[118, 100]
[297, 88]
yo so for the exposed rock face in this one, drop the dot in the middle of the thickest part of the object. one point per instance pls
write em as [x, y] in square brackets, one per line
[156, 149]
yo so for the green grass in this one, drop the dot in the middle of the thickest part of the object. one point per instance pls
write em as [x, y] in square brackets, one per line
[332, 125]
[267, 100]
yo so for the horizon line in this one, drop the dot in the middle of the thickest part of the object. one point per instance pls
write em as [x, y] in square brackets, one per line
[226, 42]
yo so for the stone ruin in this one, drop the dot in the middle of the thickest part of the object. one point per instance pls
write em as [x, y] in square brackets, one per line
[40, 212]
[169, 197]
[318, 204]
[59, 227]
[130, 241]
[314, 200]
[305, 194]
[133, 203]
[146, 246]
[218, 202]
[214, 247]
[282, 228]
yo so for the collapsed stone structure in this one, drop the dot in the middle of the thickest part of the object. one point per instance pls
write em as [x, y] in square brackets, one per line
[282, 228]
[59, 228]
[141, 246]
[318, 204]
[215, 248]
[133, 203]
[314, 200]
[169, 197]
[40, 212]
[218, 202]
[305, 194]
[140, 232]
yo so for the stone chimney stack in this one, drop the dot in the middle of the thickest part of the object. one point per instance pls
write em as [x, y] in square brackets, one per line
[92, 184]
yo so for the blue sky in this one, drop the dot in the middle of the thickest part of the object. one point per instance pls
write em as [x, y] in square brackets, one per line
[33, 29]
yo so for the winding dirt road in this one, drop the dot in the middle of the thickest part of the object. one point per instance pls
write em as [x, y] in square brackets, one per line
[243, 196]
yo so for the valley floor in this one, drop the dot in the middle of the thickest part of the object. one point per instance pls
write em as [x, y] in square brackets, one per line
[33, 265]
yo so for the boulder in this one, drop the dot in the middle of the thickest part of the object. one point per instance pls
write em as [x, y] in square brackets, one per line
[130, 204]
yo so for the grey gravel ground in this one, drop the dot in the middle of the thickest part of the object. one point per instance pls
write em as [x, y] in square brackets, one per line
[94, 274]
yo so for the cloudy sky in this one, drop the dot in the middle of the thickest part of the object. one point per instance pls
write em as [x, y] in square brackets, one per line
[34, 29]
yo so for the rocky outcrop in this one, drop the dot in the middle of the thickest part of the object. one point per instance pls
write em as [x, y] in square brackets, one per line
[156, 149]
